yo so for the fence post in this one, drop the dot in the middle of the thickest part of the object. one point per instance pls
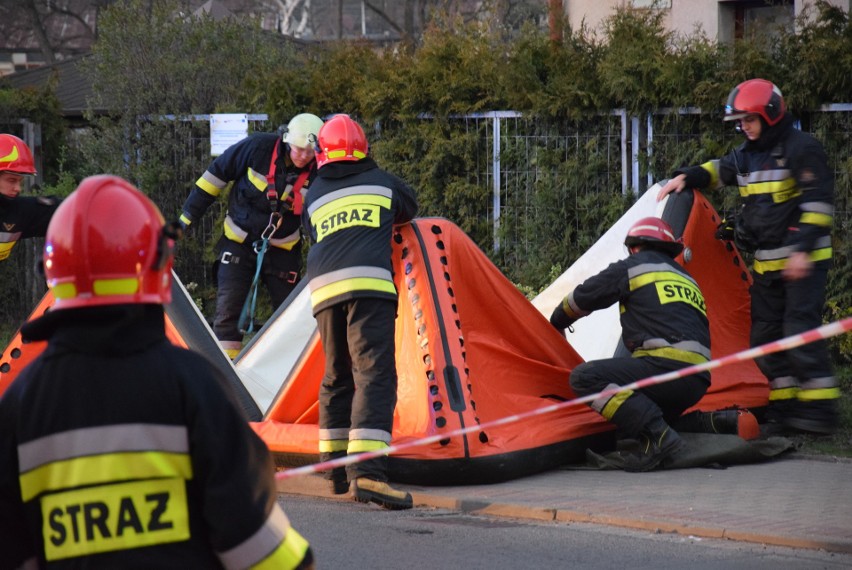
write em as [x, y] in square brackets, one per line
[634, 154]
[495, 178]
[624, 162]
[650, 142]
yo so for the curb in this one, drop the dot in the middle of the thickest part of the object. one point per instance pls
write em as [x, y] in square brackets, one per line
[317, 486]
[655, 526]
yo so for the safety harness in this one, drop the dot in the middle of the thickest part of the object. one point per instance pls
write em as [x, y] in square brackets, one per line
[261, 245]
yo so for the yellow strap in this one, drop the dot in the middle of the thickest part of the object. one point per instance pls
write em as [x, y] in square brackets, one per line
[671, 353]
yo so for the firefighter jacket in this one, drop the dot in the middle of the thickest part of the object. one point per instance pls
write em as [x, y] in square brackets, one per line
[788, 192]
[121, 450]
[349, 215]
[662, 309]
[23, 217]
[247, 164]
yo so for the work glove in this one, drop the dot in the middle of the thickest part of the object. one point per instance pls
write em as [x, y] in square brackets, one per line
[726, 230]
[560, 320]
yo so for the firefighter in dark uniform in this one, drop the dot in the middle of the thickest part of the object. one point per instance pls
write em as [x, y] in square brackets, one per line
[117, 448]
[349, 215]
[788, 212]
[664, 325]
[22, 217]
[270, 176]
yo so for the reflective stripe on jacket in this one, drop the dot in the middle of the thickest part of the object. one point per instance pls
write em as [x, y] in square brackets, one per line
[349, 215]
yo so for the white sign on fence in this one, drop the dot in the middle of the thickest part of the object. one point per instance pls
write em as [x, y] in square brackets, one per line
[227, 129]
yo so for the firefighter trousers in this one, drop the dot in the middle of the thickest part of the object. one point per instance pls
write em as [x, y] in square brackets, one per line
[235, 270]
[632, 410]
[781, 308]
[357, 396]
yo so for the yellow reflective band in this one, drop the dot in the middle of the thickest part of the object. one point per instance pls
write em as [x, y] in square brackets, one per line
[349, 285]
[568, 309]
[64, 290]
[352, 201]
[257, 180]
[101, 469]
[12, 156]
[822, 220]
[781, 190]
[127, 286]
[820, 394]
[6, 249]
[654, 276]
[207, 187]
[615, 403]
[342, 152]
[332, 445]
[671, 353]
[362, 445]
[289, 553]
[710, 167]
[229, 233]
[114, 517]
[778, 264]
[783, 394]
[185, 220]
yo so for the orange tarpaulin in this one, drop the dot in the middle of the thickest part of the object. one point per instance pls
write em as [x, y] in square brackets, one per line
[471, 349]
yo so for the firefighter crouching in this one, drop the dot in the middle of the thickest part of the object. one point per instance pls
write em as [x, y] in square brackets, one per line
[117, 448]
[664, 325]
[270, 174]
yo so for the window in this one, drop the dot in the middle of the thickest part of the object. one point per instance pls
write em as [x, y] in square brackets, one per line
[740, 20]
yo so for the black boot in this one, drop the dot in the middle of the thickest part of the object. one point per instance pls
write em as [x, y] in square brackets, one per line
[721, 421]
[661, 443]
[817, 417]
[338, 483]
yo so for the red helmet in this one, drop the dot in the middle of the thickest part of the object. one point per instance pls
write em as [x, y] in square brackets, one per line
[15, 155]
[106, 245]
[341, 138]
[654, 233]
[756, 97]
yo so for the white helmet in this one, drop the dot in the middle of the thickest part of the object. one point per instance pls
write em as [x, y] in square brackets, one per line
[303, 130]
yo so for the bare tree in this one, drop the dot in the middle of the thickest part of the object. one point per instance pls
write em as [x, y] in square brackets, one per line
[339, 19]
[59, 27]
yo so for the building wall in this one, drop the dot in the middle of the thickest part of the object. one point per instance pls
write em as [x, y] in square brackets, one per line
[715, 17]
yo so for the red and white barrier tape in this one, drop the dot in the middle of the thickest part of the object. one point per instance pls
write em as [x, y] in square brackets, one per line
[820, 333]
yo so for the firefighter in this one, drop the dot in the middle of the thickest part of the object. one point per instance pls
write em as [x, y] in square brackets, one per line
[22, 216]
[270, 174]
[786, 219]
[664, 325]
[119, 449]
[349, 215]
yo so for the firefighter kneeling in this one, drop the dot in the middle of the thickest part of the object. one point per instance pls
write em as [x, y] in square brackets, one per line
[664, 325]
[118, 448]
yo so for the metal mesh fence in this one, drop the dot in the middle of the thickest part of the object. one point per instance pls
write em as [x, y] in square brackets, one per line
[540, 190]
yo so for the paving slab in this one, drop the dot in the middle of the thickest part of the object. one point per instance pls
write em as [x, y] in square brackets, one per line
[795, 501]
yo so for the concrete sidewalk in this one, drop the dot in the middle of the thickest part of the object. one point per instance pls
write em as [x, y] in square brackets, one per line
[795, 501]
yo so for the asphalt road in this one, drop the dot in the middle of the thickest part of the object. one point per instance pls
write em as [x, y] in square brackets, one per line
[346, 534]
